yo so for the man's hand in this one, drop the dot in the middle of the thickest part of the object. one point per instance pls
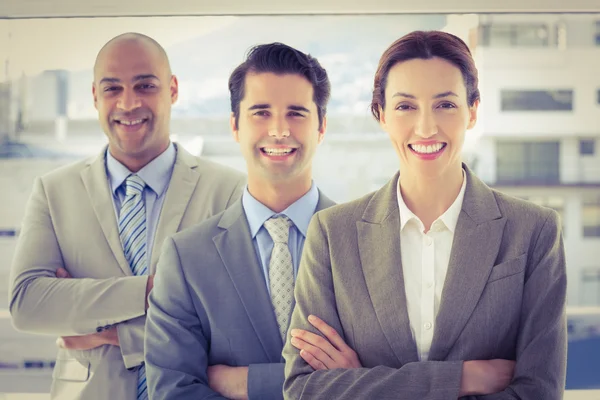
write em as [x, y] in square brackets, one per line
[91, 341]
[482, 377]
[230, 382]
[322, 353]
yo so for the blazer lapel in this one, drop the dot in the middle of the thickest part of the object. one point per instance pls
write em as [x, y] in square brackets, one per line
[96, 184]
[181, 187]
[477, 240]
[237, 251]
[379, 247]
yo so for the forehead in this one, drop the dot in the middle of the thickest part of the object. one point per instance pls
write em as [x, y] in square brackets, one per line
[126, 59]
[271, 88]
[420, 76]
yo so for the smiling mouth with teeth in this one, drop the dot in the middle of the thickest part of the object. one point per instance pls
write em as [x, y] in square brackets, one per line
[429, 149]
[277, 152]
[131, 123]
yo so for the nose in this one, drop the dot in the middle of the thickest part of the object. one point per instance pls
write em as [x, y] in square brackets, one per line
[426, 125]
[128, 100]
[279, 128]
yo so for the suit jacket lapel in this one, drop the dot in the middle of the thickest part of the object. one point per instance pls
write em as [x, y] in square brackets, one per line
[379, 247]
[237, 251]
[181, 187]
[96, 184]
[477, 240]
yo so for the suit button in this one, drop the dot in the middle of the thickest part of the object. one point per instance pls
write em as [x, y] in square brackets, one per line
[428, 325]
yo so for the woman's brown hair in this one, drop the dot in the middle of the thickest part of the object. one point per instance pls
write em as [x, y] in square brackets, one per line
[425, 45]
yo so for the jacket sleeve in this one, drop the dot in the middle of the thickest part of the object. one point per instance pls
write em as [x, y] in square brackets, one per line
[430, 380]
[41, 303]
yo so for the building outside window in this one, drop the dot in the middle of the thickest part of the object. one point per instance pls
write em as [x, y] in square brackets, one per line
[514, 35]
[536, 100]
[590, 287]
[528, 163]
[587, 147]
[591, 216]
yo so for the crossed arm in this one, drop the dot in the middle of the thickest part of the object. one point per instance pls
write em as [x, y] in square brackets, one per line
[538, 372]
[42, 302]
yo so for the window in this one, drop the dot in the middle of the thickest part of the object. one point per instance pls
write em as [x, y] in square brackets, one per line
[590, 287]
[530, 163]
[514, 35]
[587, 147]
[536, 100]
[597, 33]
[591, 216]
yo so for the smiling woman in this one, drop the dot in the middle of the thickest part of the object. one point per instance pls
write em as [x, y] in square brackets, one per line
[441, 286]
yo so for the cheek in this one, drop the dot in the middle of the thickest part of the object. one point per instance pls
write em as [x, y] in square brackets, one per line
[399, 127]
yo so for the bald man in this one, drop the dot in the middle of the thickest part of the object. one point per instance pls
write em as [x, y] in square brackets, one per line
[92, 231]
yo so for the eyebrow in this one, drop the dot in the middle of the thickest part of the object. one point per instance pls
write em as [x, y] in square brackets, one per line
[437, 96]
[265, 106]
[136, 78]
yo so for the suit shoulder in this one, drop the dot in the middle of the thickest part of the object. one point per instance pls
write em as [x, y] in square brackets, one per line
[196, 234]
[525, 212]
[347, 212]
[65, 173]
[218, 170]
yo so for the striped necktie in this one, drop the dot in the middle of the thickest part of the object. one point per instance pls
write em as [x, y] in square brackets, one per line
[281, 272]
[132, 230]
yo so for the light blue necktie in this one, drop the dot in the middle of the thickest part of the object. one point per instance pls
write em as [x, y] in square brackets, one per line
[132, 230]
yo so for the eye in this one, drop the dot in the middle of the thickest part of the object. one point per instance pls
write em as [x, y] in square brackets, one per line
[295, 114]
[110, 88]
[404, 107]
[147, 86]
[447, 105]
[261, 113]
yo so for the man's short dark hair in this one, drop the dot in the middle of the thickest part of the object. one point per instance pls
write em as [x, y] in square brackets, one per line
[278, 58]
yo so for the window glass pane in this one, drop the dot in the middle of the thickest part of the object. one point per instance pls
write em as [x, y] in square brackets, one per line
[591, 216]
[537, 100]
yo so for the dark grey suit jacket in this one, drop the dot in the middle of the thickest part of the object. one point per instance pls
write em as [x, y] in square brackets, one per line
[210, 305]
[504, 297]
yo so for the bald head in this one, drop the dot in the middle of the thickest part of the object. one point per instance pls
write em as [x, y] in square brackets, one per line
[133, 39]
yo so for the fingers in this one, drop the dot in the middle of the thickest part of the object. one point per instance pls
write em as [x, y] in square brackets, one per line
[316, 341]
[62, 273]
[313, 353]
[311, 360]
[331, 334]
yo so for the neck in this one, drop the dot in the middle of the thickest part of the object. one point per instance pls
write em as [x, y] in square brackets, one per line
[278, 195]
[135, 162]
[429, 198]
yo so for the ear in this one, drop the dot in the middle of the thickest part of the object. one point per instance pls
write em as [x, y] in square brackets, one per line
[174, 87]
[323, 129]
[234, 128]
[473, 114]
[95, 94]
[382, 120]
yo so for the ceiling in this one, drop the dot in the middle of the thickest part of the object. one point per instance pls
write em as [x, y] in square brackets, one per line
[10, 9]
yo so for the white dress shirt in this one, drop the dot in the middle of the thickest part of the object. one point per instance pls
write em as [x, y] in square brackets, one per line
[425, 258]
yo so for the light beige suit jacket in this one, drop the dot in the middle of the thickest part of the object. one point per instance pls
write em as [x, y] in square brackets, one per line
[504, 297]
[70, 222]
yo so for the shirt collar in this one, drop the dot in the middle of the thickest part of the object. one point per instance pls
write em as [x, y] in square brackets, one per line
[156, 174]
[449, 217]
[300, 211]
